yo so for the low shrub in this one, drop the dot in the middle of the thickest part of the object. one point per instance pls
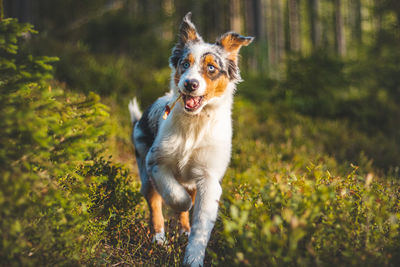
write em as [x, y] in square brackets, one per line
[56, 196]
[313, 218]
[287, 202]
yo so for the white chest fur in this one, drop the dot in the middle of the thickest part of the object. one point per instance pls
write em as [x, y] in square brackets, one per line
[194, 145]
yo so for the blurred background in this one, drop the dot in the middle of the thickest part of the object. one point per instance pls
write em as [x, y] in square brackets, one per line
[328, 60]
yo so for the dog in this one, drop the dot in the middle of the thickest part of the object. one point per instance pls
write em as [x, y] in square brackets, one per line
[183, 158]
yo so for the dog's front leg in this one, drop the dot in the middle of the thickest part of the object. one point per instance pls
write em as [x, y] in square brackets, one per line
[204, 216]
[173, 193]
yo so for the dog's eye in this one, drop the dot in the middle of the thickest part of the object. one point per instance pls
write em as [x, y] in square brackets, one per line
[186, 65]
[211, 68]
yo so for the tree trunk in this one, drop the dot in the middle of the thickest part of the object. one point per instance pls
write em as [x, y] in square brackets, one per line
[271, 32]
[378, 17]
[235, 16]
[168, 9]
[280, 31]
[294, 25]
[1, 10]
[249, 18]
[21, 9]
[252, 29]
[316, 36]
[357, 19]
[254, 19]
[258, 20]
[340, 38]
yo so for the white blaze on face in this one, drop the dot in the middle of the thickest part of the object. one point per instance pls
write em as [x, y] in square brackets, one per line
[194, 71]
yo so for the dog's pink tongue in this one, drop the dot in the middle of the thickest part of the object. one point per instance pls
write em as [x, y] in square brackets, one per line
[191, 102]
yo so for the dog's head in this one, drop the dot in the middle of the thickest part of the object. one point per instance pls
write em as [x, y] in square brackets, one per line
[204, 72]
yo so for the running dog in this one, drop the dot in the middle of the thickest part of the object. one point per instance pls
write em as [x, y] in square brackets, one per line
[183, 155]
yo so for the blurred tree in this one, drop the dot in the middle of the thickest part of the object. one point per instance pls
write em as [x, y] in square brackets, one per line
[294, 25]
[21, 9]
[315, 32]
[236, 21]
[356, 18]
[340, 41]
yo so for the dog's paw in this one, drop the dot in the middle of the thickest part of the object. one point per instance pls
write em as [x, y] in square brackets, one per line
[159, 238]
[194, 255]
[184, 232]
[193, 261]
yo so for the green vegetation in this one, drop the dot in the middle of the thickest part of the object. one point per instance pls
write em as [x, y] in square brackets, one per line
[295, 205]
[314, 176]
[57, 197]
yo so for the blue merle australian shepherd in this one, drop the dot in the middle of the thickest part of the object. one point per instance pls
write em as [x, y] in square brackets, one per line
[183, 155]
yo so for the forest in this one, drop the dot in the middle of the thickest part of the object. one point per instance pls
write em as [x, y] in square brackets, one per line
[314, 178]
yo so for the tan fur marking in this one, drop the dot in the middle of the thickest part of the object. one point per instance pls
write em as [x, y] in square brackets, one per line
[221, 85]
[215, 87]
[154, 201]
[233, 56]
[192, 34]
[184, 221]
[209, 59]
[232, 44]
[190, 58]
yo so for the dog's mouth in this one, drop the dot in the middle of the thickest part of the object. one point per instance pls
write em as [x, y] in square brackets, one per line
[192, 103]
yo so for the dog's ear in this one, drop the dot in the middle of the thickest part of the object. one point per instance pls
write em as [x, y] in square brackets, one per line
[187, 34]
[232, 42]
[187, 31]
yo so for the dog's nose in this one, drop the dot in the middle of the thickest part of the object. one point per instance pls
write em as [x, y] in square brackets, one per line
[191, 85]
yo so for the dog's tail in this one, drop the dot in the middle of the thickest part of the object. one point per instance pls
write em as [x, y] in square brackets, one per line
[134, 110]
